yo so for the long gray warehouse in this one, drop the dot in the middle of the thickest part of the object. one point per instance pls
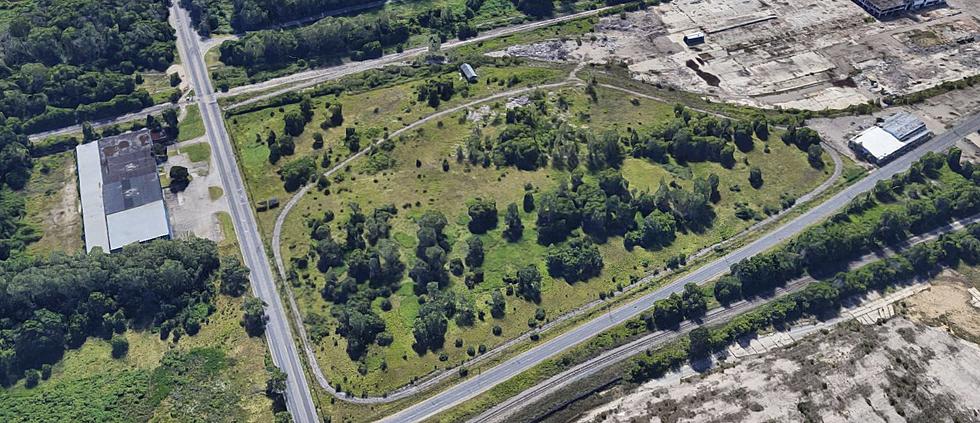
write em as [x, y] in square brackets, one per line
[122, 202]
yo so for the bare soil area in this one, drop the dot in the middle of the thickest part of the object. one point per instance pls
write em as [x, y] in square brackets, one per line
[894, 372]
[809, 54]
[947, 306]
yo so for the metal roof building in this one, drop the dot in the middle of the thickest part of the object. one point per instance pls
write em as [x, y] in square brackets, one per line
[122, 202]
[468, 72]
[891, 138]
[888, 8]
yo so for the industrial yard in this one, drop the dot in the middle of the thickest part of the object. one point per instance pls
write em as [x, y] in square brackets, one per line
[808, 55]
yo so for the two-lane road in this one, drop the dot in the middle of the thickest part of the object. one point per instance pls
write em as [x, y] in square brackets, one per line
[278, 334]
[492, 377]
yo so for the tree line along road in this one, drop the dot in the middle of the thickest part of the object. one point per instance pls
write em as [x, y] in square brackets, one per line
[299, 400]
[488, 379]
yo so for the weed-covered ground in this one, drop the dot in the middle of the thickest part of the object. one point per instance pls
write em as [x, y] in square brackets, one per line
[417, 183]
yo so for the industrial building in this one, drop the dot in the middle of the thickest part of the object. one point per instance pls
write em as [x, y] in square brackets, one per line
[694, 38]
[890, 138]
[468, 72]
[889, 8]
[122, 201]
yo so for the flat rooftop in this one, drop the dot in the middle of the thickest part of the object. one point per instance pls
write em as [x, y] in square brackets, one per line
[878, 142]
[887, 4]
[122, 201]
[902, 125]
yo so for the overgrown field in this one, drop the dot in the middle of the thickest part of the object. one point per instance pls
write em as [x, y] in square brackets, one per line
[370, 114]
[216, 375]
[432, 169]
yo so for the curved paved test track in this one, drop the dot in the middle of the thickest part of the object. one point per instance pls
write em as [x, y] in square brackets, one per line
[278, 335]
[523, 362]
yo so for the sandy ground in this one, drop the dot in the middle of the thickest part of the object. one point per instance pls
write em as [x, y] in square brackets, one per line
[947, 306]
[192, 211]
[894, 372]
[807, 54]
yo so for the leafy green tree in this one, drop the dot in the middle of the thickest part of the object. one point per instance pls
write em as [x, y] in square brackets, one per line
[254, 318]
[120, 346]
[483, 215]
[474, 252]
[233, 276]
[513, 227]
[498, 305]
[576, 260]
[180, 178]
[700, 342]
[728, 289]
[693, 301]
[294, 123]
[529, 283]
[755, 177]
[430, 327]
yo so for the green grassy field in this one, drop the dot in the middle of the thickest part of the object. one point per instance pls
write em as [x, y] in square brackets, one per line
[192, 126]
[414, 190]
[52, 205]
[370, 113]
[158, 85]
[88, 385]
[199, 152]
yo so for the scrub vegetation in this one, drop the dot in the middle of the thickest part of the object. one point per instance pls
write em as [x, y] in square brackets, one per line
[488, 223]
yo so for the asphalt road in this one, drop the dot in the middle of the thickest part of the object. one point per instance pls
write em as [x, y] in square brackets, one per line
[278, 334]
[523, 362]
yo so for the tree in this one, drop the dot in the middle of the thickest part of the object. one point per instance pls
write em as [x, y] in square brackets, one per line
[234, 277]
[357, 323]
[336, 115]
[275, 385]
[513, 227]
[254, 318]
[294, 123]
[761, 127]
[667, 313]
[174, 79]
[120, 346]
[728, 289]
[536, 8]
[576, 260]
[180, 178]
[31, 378]
[88, 132]
[430, 327]
[474, 252]
[483, 215]
[814, 155]
[742, 135]
[352, 140]
[693, 301]
[529, 283]
[297, 173]
[498, 305]
[700, 342]
[528, 201]
[755, 177]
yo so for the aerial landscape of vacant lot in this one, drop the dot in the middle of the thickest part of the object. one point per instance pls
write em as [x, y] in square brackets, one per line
[489, 210]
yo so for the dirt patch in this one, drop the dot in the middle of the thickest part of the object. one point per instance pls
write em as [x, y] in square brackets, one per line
[947, 305]
[53, 205]
[897, 371]
[807, 54]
